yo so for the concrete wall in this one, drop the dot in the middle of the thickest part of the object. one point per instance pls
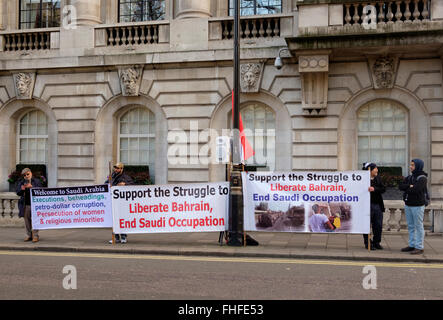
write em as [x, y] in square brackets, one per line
[190, 98]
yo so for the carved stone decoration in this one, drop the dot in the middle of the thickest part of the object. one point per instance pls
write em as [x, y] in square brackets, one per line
[24, 85]
[130, 80]
[314, 86]
[314, 83]
[383, 71]
[250, 77]
[317, 63]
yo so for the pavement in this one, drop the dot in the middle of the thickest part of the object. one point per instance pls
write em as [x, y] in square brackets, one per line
[271, 245]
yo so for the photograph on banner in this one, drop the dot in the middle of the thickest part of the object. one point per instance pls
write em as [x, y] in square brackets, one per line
[71, 207]
[196, 207]
[335, 202]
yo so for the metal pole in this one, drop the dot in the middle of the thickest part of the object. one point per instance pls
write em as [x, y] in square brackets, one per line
[236, 199]
[236, 112]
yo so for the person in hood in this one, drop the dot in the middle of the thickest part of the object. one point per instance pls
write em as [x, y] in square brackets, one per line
[377, 206]
[414, 189]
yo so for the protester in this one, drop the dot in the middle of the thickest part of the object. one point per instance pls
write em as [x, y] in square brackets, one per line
[319, 222]
[377, 206]
[24, 191]
[414, 187]
[120, 178]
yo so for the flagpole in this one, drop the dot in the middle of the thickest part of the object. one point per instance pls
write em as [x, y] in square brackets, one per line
[236, 196]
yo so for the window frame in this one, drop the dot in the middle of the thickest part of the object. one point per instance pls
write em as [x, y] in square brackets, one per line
[266, 134]
[382, 134]
[255, 9]
[19, 136]
[119, 12]
[138, 136]
[40, 12]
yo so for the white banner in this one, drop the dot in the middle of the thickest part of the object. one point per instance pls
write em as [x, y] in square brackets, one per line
[307, 201]
[199, 207]
[71, 207]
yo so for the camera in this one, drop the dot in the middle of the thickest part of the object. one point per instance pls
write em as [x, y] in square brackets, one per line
[278, 63]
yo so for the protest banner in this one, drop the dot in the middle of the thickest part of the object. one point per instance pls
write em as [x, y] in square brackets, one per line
[71, 207]
[307, 201]
[170, 208]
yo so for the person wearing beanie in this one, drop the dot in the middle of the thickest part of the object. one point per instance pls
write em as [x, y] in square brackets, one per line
[414, 189]
[377, 206]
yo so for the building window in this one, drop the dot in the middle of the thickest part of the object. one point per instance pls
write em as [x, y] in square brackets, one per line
[39, 14]
[259, 126]
[383, 134]
[137, 138]
[141, 10]
[256, 7]
[32, 146]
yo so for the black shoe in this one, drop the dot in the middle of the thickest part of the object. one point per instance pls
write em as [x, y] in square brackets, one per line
[372, 247]
[417, 251]
[378, 246]
[407, 249]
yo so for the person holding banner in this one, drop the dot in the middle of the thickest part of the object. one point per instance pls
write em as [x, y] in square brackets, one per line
[119, 178]
[377, 206]
[24, 191]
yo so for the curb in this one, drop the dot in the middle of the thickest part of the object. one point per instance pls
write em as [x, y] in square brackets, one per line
[209, 253]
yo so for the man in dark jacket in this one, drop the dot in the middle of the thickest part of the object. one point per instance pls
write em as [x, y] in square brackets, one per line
[24, 191]
[377, 206]
[119, 178]
[414, 187]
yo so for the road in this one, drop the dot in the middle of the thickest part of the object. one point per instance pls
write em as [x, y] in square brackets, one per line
[39, 275]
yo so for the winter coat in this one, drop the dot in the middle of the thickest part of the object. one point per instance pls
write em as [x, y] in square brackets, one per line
[25, 195]
[118, 178]
[415, 196]
[376, 195]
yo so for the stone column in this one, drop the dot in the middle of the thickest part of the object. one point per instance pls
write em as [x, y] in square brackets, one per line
[2, 3]
[87, 12]
[78, 36]
[192, 8]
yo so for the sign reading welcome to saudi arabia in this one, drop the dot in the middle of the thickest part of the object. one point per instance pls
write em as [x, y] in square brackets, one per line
[170, 208]
[307, 201]
[71, 207]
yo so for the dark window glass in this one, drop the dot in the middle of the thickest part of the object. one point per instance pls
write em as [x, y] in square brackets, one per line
[253, 7]
[141, 10]
[39, 14]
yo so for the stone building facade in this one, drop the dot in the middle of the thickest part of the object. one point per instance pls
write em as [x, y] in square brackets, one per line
[96, 89]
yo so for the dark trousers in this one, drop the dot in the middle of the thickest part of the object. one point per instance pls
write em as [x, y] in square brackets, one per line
[117, 236]
[376, 223]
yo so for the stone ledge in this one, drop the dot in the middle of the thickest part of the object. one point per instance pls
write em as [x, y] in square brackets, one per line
[9, 195]
[382, 29]
[311, 2]
[318, 41]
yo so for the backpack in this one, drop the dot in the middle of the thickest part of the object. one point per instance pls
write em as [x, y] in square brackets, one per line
[427, 198]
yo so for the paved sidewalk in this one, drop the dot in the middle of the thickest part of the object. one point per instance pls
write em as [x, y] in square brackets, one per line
[272, 245]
